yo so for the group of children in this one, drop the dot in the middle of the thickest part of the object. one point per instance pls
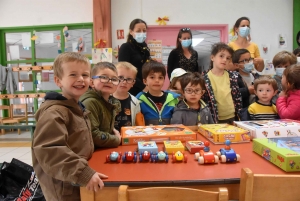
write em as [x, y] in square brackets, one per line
[95, 104]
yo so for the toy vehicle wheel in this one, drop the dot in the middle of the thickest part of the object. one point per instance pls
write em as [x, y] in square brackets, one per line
[238, 157]
[173, 158]
[185, 158]
[216, 159]
[107, 158]
[134, 158]
[167, 158]
[123, 158]
[201, 160]
[119, 159]
[218, 153]
[223, 158]
[197, 155]
[141, 157]
[120, 153]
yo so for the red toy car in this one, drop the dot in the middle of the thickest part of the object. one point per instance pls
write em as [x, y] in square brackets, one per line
[206, 156]
[129, 157]
[145, 156]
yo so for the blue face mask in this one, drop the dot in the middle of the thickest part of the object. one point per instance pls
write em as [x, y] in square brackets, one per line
[244, 31]
[186, 43]
[248, 67]
[140, 37]
[279, 71]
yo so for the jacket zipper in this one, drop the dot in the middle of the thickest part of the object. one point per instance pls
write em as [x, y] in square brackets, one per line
[158, 111]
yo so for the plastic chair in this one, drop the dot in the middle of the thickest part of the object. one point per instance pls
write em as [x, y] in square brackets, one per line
[170, 194]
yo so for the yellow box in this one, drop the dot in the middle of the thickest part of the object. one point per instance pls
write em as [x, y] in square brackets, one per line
[173, 146]
[219, 133]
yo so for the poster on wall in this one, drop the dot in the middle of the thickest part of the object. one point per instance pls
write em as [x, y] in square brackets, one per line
[155, 47]
[265, 48]
[282, 41]
[120, 34]
[101, 55]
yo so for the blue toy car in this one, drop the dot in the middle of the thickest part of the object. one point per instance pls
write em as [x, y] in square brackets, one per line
[227, 154]
[160, 156]
[114, 157]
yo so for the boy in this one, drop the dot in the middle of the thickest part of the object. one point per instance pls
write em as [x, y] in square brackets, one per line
[265, 88]
[130, 114]
[157, 106]
[280, 61]
[62, 141]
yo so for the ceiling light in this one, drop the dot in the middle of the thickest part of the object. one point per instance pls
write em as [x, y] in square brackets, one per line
[196, 41]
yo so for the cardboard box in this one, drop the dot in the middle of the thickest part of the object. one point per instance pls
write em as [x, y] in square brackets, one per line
[149, 146]
[219, 133]
[282, 152]
[173, 146]
[134, 134]
[271, 128]
[194, 146]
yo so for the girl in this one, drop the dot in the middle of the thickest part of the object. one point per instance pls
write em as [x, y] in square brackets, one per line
[222, 91]
[192, 110]
[102, 105]
[289, 98]
[176, 75]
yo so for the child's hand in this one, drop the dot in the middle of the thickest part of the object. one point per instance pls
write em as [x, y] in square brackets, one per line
[251, 89]
[95, 182]
[282, 94]
[117, 133]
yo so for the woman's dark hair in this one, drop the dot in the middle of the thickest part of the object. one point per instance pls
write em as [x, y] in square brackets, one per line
[132, 25]
[178, 43]
[218, 47]
[238, 22]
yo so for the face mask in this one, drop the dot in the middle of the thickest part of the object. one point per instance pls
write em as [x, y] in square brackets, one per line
[140, 37]
[279, 71]
[186, 43]
[248, 67]
[244, 31]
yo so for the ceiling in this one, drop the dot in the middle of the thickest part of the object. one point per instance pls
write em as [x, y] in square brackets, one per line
[210, 37]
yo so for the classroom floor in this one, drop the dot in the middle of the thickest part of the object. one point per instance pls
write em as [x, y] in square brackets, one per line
[13, 145]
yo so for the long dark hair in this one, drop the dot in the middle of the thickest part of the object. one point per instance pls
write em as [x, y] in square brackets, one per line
[132, 25]
[178, 43]
[238, 22]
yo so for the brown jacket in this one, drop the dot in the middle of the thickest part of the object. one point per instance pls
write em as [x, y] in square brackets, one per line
[62, 144]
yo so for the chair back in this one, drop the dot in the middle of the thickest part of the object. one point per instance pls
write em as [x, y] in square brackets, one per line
[5, 108]
[19, 112]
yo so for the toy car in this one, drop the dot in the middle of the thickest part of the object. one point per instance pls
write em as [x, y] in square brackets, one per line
[227, 154]
[145, 156]
[178, 156]
[160, 156]
[114, 157]
[129, 157]
[206, 156]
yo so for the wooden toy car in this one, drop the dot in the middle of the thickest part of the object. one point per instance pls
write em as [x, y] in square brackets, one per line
[114, 157]
[160, 156]
[227, 154]
[129, 157]
[206, 156]
[179, 156]
[145, 156]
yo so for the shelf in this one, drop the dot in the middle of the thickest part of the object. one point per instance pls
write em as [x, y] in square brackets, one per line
[32, 68]
[28, 95]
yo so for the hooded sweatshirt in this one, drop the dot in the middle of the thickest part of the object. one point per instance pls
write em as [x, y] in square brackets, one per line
[61, 147]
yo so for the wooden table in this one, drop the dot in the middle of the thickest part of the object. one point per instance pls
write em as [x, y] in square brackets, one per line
[190, 174]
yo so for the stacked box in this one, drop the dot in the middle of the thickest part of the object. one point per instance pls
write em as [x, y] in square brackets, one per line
[219, 133]
[282, 152]
[194, 146]
[134, 134]
[173, 146]
[271, 128]
[149, 146]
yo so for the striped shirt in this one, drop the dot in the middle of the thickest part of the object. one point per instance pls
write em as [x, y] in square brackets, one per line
[259, 111]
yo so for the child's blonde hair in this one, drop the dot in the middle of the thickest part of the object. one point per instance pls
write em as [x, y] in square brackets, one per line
[264, 79]
[292, 74]
[284, 57]
[127, 66]
[68, 57]
[102, 66]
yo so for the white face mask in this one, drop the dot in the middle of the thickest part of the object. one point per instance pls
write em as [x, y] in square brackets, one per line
[279, 71]
[140, 37]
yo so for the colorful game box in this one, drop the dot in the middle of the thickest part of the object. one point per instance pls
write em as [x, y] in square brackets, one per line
[219, 133]
[271, 128]
[283, 152]
[149, 146]
[173, 146]
[134, 134]
[194, 146]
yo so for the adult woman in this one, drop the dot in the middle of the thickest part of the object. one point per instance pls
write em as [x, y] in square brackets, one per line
[242, 29]
[184, 56]
[136, 52]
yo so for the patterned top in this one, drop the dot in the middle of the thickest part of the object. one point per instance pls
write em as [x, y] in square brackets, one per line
[188, 64]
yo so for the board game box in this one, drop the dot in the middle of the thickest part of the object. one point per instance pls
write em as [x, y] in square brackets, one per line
[134, 134]
[149, 146]
[219, 133]
[271, 128]
[194, 146]
[173, 146]
[282, 152]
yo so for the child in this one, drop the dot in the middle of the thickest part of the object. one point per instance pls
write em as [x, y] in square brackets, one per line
[289, 99]
[265, 88]
[102, 105]
[62, 141]
[222, 91]
[157, 106]
[282, 60]
[176, 75]
[130, 114]
[192, 110]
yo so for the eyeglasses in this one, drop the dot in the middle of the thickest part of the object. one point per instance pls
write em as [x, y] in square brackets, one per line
[246, 61]
[128, 80]
[185, 29]
[196, 91]
[105, 79]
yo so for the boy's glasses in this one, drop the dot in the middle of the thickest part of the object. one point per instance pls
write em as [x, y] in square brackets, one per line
[246, 61]
[196, 91]
[105, 79]
[128, 80]
[185, 29]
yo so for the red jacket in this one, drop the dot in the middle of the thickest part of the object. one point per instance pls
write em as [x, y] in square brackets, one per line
[288, 107]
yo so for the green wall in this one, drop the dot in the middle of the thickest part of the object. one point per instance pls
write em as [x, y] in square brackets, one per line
[296, 23]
